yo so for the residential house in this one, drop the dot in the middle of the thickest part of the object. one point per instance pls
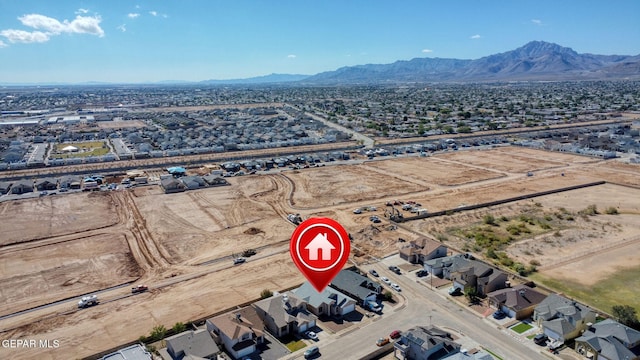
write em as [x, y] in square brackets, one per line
[562, 319]
[214, 180]
[285, 314]
[193, 182]
[517, 302]
[443, 266]
[190, 344]
[239, 332]
[356, 286]
[418, 251]
[425, 343]
[480, 277]
[133, 352]
[172, 185]
[22, 187]
[329, 302]
[70, 182]
[609, 340]
[46, 184]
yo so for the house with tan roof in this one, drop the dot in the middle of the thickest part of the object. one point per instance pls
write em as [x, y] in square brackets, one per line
[239, 332]
[285, 314]
[423, 249]
[517, 302]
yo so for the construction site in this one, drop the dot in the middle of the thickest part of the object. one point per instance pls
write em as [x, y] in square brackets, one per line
[57, 249]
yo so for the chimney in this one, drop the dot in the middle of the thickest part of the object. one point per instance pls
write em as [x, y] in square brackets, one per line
[522, 292]
[238, 317]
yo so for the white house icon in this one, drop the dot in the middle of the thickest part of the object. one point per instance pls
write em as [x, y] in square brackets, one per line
[320, 242]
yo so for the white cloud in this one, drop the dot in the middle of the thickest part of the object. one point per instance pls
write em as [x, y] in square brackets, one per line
[291, 56]
[79, 25]
[153, 13]
[86, 25]
[3, 44]
[536, 21]
[21, 36]
[81, 11]
[133, 15]
[122, 28]
[426, 51]
[47, 27]
[476, 36]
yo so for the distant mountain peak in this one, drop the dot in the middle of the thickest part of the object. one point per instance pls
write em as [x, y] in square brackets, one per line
[535, 61]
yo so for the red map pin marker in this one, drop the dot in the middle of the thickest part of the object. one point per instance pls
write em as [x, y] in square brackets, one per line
[320, 247]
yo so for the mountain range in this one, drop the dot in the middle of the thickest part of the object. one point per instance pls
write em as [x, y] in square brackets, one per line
[537, 61]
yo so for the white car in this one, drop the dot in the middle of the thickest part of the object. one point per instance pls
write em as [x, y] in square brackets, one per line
[396, 287]
[311, 335]
[385, 280]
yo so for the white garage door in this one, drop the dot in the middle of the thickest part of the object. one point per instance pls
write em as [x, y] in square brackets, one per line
[348, 309]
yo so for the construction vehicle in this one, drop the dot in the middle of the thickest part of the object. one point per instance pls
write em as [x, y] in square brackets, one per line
[249, 252]
[295, 219]
[139, 289]
[88, 301]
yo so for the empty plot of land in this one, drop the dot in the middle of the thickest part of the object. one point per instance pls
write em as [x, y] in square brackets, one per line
[434, 171]
[37, 276]
[591, 250]
[511, 159]
[50, 216]
[344, 184]
[205, 224]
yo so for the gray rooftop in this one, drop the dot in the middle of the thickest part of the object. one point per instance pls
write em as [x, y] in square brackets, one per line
[355, 284]
[198, 343]
[133, 352]
[309, 294]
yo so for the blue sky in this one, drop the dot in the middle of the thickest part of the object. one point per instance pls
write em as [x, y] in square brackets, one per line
[146, 41]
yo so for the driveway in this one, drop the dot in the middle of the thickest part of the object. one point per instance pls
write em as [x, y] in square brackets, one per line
[271, 349]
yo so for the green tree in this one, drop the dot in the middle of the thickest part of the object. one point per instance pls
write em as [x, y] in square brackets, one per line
[387, 295]
[179, 327]
[489, 219]
[266, 293]
[471, 294]
[158, 333]
[626, 315]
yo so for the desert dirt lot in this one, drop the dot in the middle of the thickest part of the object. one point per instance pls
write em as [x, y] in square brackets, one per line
[181, 245]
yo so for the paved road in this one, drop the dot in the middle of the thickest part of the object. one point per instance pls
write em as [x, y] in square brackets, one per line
[421, 307]
[366, 141]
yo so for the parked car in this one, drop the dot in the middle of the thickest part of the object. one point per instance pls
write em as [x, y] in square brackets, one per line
[395, 269]
[311, 335]
[373, 272]
[421, 273]
[382, 341]
[385, 280]
[499, 315]
[555, 345]
[310, 352]
[454, 291]
[541, 339]
[395, 334]
[396, 287]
